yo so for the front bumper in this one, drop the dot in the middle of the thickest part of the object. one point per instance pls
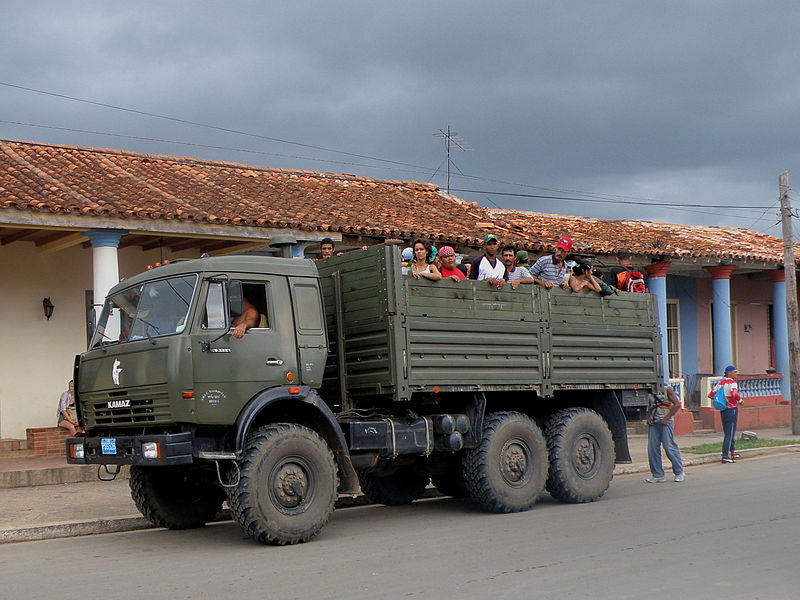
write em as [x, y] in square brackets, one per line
[174, 449]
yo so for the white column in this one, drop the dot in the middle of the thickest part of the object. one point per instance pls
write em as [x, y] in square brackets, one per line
[105, 269]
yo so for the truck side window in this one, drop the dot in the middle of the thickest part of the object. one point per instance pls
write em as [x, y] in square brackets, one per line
[257, 295]
[215, 307]
[308, 306]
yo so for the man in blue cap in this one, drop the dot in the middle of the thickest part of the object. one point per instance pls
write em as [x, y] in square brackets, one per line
[730, 415]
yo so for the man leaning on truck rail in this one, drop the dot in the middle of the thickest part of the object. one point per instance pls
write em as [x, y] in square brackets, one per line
[549, 270]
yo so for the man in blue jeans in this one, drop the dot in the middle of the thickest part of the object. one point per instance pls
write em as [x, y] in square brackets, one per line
[731, 413]
[661, 431]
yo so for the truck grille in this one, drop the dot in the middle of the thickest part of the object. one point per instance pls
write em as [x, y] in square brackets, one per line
[148, 406]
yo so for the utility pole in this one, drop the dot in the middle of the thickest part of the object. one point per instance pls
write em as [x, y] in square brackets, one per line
[791, 300]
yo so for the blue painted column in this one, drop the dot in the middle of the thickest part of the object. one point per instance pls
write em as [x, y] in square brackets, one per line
[721, 308]
[657, 284]
[780, 325]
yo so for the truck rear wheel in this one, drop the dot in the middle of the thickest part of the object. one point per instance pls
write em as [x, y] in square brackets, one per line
[181, 497]
[507, 471]
[581, 455]
[287, 485]
[402, 486]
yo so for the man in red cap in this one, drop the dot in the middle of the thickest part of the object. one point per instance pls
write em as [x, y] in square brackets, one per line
[550, 270]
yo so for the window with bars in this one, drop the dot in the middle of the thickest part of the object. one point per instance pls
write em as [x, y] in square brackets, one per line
[673, 339]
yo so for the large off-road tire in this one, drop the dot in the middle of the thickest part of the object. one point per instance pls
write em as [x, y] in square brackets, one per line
[287, 485]
[507, 471]
[181, 497]
[402, 486]
[581, 455]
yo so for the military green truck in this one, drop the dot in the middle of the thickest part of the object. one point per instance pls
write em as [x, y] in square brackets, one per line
[355, 377]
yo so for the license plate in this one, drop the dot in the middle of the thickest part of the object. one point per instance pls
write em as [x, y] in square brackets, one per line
[108, 445]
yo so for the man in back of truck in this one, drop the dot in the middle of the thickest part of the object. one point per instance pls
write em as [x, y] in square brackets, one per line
[488, 267]
[550, 270]
[625, 276]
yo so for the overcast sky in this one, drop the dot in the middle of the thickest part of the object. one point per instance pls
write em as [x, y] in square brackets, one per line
[675, 102]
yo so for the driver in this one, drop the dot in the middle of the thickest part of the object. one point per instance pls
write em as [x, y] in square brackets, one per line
[249, 318]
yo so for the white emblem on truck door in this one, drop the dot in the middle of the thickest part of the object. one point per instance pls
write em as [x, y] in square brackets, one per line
[115, 371]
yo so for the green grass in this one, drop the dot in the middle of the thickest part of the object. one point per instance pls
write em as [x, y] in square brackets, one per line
[740, 445]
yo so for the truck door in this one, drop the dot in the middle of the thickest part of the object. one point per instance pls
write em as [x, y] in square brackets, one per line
[232, 371]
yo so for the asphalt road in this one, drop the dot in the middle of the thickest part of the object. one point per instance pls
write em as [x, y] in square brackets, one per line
[729, 531]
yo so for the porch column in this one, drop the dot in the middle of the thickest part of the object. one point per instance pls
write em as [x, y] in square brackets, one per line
[299, 249]
[721, 307]
[780, 325]
[657, 284]
[105, 268]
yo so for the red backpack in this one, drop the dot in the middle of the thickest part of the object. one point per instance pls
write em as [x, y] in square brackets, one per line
[631, 281]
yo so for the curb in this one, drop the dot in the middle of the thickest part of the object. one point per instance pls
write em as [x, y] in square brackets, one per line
[703, 459]
[135, 523]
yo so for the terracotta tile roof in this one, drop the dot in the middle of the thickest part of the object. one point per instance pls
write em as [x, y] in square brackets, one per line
[540, 231]
[99, 182]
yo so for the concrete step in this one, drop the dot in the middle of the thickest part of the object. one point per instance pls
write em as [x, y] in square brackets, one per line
[25, 476]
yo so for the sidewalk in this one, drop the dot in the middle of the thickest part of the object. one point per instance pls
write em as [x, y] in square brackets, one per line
[44, 498]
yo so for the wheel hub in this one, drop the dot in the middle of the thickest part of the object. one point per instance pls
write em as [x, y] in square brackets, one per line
[290, 485]
[586, 456]
[514, 463]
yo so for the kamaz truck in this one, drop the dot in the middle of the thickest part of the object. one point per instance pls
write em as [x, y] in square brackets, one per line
[355, 378]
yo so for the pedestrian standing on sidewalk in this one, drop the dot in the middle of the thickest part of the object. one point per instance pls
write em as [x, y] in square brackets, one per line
[730, 416]
[661, 432]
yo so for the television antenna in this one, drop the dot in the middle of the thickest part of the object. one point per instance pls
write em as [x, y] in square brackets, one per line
[451, 138]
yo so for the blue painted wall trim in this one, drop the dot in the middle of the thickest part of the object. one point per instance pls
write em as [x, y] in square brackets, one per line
[684, 290]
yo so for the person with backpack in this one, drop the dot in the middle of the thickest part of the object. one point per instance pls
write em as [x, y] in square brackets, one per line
[730, 414]
[661, 432]
[625, 277]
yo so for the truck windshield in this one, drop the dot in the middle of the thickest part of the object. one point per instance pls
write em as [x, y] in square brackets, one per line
[147, 311]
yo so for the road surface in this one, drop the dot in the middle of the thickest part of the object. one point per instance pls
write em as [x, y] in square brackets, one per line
[728, 531]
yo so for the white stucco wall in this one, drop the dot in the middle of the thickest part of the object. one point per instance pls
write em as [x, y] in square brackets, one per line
[36, 355]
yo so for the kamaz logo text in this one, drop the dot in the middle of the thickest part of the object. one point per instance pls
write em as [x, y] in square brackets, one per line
[119, 403]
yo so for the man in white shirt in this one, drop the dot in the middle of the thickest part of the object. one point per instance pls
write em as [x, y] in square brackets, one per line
[489, 267]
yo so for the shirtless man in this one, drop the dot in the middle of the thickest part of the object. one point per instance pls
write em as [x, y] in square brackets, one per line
[249, 318]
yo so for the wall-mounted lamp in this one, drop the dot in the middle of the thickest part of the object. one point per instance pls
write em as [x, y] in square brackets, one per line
[48, 307]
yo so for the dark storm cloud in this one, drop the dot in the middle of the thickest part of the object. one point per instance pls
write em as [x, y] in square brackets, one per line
[679, 102]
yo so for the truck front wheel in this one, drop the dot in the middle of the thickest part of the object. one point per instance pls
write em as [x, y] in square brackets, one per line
[581, 455]
[507, 471]
[181, 497]
[287, 485]
[402, 486]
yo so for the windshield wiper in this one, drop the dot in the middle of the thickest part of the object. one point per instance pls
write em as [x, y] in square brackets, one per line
[147, 330]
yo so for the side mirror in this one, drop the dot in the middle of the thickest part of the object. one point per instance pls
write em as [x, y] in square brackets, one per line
[235, 298]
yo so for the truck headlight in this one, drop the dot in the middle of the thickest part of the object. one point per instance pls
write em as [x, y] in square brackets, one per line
[76, 451]
[151, 450]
